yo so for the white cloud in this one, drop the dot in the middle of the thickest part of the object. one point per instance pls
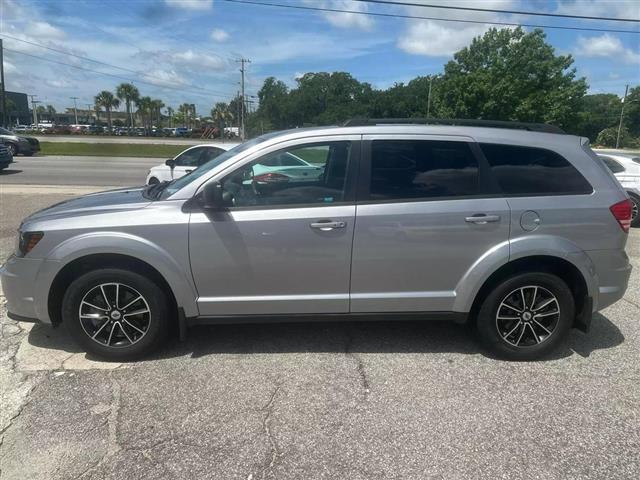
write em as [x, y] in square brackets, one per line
[344, 20]
[197, 61]
[606, 46]
[599, 8]
[219, 35]
[442, 39]
[190, 4]
[9, 67]
[166, 78]
[59, 83]
[44, 31]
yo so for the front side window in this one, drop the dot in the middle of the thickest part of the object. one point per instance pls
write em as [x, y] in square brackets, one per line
[319, 179]
[533, 171]
[209, 153]
[190, 158]
[422, 169]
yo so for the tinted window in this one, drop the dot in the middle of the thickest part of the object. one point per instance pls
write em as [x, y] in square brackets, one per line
[319, 179]
[614, 166]
[189, 158]
[209, 154]
[533, 171]
[409, 169]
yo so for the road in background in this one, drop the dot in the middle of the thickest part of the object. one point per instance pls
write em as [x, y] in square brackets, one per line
[66, 170]
[147, 140]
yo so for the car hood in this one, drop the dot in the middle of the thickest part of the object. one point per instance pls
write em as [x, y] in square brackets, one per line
[123, 199]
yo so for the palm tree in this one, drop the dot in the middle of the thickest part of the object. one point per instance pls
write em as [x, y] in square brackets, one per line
[144, 110]
[170, 113]
[221, 115]
[51, 111]
[156, 106]
[129, 93]
[185, 112]
[107, 100]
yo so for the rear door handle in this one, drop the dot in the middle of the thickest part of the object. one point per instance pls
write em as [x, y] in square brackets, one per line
[327, 225]
[482, 219]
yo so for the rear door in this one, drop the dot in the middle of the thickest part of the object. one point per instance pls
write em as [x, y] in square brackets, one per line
[425, 215]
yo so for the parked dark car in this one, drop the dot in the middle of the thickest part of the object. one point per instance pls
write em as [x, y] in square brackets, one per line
[18, 144]
[6, 157]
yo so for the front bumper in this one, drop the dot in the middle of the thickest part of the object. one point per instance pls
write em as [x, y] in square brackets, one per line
[18, 278]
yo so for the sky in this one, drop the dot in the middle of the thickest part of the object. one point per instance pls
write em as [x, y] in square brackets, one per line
[186, 50]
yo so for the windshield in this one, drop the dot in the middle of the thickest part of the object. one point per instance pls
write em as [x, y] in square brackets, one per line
[182, 182]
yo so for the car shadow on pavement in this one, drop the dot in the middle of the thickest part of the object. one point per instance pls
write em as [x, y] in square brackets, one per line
[9, 172]
[339, 337]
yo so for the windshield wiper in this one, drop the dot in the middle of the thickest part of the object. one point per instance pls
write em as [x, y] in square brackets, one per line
[153, 191]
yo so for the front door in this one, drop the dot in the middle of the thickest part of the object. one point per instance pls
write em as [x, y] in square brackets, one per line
[186, 162]
[422, 222]
[283, 244]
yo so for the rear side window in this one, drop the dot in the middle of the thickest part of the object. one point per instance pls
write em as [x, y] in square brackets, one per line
[422, 169]
[533, 171]
[614, 166]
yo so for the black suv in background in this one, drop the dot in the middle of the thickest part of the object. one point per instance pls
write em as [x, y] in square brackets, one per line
[19, 144]
[5, 157]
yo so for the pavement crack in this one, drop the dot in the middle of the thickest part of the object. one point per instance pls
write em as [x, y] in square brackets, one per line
[360, 367]
[266, 427]
[631, 302]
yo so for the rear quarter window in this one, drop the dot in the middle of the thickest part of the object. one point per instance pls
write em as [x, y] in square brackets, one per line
[533, 171]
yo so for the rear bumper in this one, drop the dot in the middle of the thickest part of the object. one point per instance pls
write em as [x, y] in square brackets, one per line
[613, 271]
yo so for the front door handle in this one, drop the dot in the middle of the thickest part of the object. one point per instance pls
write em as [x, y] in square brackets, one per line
[327, 225]
[482, 219]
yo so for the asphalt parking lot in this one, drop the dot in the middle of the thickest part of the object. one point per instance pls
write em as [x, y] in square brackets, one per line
[392, 400]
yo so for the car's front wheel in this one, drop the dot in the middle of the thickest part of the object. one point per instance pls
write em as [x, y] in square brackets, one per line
[13, 148]
[526, 316]
[116, 314]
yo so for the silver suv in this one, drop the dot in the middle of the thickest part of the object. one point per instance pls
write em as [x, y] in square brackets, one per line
[517, 228]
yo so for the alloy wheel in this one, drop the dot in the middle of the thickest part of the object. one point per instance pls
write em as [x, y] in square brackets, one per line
[114, 315]
[634, 209]
[528, 316]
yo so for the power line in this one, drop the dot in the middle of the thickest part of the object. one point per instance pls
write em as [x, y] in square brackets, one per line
[418, 17]
[166, 87]
[514, 12]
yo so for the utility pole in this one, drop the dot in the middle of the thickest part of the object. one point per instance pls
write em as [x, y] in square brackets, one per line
[624, 100]
[75, 108]
[89, 109]
[3, 101]
[33, 108]
[242, 62]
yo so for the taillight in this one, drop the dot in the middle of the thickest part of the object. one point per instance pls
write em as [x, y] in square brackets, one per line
[622, 211]
[271, 178]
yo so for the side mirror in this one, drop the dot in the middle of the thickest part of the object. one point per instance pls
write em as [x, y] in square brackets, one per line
[171, 163]
[212, 198]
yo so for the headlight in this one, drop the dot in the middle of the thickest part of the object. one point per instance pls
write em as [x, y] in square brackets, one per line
[27, 242]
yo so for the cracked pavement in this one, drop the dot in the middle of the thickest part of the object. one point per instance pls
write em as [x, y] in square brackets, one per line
[382, 400]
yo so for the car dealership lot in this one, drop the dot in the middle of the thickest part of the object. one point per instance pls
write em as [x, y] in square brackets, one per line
[325, 400]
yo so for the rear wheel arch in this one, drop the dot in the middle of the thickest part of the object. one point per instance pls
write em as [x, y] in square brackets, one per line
[88, 263]
[560, 267]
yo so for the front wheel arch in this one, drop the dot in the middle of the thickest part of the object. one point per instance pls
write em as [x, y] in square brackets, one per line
[85, 264]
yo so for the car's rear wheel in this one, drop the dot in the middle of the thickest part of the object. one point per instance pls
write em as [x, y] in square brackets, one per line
[526, 316]
[116, 314]
[635, 209]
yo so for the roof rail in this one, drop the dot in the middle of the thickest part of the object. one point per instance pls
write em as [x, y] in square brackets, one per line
[532, 127]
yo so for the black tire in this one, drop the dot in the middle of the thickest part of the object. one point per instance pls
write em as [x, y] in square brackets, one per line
[153, 333]
[526, 347]
[153, 181]
[13, 147]
[28, 154]
[635, 221]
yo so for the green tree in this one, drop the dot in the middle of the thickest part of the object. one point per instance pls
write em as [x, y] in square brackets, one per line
[51, 111]
[608, 137]
[170, 114]
[128, 93]
[145, 105]
[108, 101]
[632, 111]
[512, 75]
[596, 113]
[156, 106]
[221, 116]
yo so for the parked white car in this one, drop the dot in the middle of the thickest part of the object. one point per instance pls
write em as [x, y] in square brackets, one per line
[627, 171]
[286, 167]
[185, 162]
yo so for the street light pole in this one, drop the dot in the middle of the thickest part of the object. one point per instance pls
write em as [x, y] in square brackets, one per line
[3, 103]
[75, 109]
[626, 90]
